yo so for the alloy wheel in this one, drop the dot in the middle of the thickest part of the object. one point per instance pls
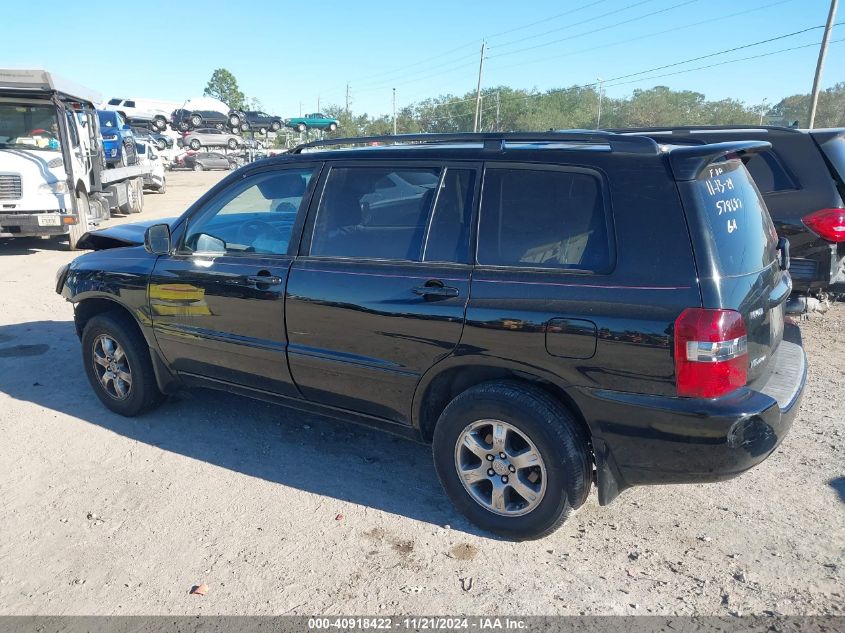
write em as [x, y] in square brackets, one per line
[112, 367]
[500, 467]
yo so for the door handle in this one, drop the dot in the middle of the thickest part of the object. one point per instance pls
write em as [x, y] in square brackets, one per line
[435, 288]
[266, 280]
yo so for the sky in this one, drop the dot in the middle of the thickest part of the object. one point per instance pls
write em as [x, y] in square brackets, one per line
[296, 55]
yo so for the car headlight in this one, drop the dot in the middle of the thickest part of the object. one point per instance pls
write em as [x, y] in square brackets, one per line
[58, 186]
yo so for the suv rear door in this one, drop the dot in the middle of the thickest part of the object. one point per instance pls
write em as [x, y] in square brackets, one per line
[379, 291]
[736, 251]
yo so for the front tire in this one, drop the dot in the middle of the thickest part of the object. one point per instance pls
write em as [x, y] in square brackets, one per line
[194, 144]
[541, 467]
[118, 365]
[198, 167]
[232, 144]
[196, 120]
[81, 227]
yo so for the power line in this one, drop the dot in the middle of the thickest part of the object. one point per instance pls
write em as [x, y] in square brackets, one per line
[573, 24]
[591, 32]
[730, 61]
[767, 6]
[615, 81]
[728, 50]
[543, 21]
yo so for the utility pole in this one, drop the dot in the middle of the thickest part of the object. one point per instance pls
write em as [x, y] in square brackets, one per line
[478, 90]
[814, 98]
[498, 104]
[318, 103]
[347, 97]
[394, 112]
[598, 117]
[762, 110]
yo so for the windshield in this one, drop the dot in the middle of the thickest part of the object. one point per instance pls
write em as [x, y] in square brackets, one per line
[28, 126]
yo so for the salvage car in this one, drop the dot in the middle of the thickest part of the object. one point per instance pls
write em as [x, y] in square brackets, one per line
[802, 178]
[210, 137]
[118, 139]
[317, 121]
[202, 161]
[261, 122]
[183, 119]
[508, 298]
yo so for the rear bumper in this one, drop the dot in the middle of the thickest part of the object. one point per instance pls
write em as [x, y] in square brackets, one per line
[642, 439]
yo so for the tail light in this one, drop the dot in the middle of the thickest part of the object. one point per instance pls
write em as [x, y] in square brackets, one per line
[711, 352]
[828, 224]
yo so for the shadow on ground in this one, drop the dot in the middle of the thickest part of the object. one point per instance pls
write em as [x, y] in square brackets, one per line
[838, 485]
[40, 362]
[31, 245]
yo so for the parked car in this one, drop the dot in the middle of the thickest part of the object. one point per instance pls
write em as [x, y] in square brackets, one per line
[160, 141]
[317, 120]
[210, 137]
[155, 179]
[802, 178]
[201, 161]
[507, 297]
[184, 120]
[118, 140]
[261, 122]
[135, 112]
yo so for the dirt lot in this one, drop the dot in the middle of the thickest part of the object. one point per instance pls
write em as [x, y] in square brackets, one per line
[279, 512]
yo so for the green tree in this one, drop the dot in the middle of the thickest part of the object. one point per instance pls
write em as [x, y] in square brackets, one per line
[224, 86]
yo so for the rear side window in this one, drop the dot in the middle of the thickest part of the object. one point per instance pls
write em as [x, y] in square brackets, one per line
[543, 218]
[736, 218]
[375, 212]
[769, 173]
[834, 151]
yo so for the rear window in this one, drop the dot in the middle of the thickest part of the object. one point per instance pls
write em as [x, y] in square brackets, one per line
[737, 219]
[769, 173]
[834, 151]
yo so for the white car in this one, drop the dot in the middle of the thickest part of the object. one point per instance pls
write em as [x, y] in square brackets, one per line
[147, 156]
[138, 111]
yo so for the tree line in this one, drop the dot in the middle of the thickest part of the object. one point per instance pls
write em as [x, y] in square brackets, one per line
[576, 107]
[508, 109]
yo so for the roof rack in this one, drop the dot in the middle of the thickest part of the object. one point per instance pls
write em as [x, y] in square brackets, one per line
[496, 141]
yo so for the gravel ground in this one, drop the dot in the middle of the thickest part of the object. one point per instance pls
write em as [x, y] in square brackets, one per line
[282, 512]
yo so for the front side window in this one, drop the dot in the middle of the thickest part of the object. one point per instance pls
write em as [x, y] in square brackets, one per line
[543, 219]
[375, 212]
[28, 127]
[254, 216]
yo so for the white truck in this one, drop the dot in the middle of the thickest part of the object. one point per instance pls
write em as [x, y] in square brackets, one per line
[53, 179]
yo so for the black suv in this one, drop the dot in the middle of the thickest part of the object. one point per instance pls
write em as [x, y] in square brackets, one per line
[802, 178]
[183, 120]
[548, 310]
[261, 122]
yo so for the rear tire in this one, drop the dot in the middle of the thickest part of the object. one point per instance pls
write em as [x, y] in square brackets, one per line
[196, 120]
[533, 422]
[232, 144]
[160, 123]
[332, 127]
[198, 167]
[275, 126]
[130, 389]
[300, 128]
[163, 187]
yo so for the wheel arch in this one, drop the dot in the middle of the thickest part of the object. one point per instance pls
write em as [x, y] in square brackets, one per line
[440, 385]
[96, 304]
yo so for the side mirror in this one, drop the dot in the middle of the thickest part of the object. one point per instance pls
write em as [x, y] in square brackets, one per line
[157, 239]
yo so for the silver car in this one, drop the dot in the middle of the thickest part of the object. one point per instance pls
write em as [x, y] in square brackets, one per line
[211, 137]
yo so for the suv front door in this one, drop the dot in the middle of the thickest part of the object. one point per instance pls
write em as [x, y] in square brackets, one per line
[217, 303]
[379, 291]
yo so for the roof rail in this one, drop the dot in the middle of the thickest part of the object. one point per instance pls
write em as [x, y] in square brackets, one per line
[684, 130]
[496, 141]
